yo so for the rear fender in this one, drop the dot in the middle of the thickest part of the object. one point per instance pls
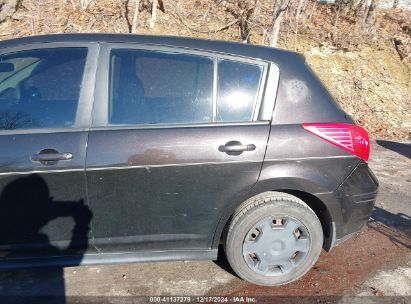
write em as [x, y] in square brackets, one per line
[308, 182]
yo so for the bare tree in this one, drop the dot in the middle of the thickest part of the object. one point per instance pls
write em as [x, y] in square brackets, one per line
[280, 7]
[84, 4]
[298, 12]
[312, 10]
[396, 3]
[350, 7]
[153, 19]
[344, 7]
[303, 10]
[14, 121]
[369, 16]
[8, 8]
[361, 7]
[245, 13]
[135, 16]
[34, 16]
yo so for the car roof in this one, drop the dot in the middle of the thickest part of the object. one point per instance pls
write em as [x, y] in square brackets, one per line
[227, 47]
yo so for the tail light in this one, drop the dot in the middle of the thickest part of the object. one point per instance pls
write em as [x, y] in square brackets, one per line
[351, 138]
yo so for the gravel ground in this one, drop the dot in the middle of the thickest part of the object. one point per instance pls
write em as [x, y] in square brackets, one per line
[396, 282]
[394, 173]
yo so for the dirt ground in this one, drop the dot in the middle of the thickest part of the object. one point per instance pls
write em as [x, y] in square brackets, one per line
[356, 267]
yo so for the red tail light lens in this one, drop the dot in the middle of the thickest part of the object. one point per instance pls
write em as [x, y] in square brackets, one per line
[351, 138]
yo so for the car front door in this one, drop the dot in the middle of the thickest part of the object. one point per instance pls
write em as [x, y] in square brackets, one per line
[177, 137]
[45, 113]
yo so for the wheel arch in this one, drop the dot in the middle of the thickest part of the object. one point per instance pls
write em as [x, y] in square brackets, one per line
[320, 208]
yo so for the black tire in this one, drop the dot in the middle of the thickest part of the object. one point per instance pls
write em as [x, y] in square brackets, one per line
[262, 207]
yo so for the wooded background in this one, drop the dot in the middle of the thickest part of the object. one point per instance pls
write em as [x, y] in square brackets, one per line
[246, 15]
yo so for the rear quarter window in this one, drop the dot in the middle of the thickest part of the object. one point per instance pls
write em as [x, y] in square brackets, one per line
[238, 88]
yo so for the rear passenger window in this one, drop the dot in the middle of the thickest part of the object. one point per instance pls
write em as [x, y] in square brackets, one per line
[151, 87]
[40, 88]
[238, 86]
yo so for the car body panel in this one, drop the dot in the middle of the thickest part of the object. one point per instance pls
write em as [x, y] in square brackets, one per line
[168, 180]
[35, 196]
[166, 192]
[168, 186]
[43, 202]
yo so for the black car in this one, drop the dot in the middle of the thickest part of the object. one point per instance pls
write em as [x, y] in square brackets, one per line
[127, 148]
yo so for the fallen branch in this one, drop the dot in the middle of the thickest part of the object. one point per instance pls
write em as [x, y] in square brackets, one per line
[191, 28]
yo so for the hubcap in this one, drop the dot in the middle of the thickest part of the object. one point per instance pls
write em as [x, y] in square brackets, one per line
[275, 246]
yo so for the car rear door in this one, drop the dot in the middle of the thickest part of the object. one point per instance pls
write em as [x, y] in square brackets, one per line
[45, 112]
[177, 137]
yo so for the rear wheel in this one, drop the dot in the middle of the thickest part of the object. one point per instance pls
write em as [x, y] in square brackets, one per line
[273, 239]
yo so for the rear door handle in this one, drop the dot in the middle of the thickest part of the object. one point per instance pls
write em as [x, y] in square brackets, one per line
[235, 148]
[45, 157]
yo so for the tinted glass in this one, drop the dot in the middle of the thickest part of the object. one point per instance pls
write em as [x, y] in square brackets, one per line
[40, 88]
[238, 85]
[149, 87]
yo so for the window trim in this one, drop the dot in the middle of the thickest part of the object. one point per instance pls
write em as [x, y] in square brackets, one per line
[179, 126]
[100, 114]
[215, 89]
[270, 90]
[82, 119]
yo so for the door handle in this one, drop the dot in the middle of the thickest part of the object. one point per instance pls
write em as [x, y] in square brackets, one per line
[46, 157]
[235, 148]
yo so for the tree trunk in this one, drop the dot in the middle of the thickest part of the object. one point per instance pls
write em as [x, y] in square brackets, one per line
[369, 19]
[279, 8]
[350, 7]
[245, 13]
[299, 9]
[344, 6]
[361, 8]
[246, 21]
[84, 4]
[298, 12]
[276, 29]
[153, 19]
[312, 10]
[303, 10]
[135, 16]
[8, 8]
